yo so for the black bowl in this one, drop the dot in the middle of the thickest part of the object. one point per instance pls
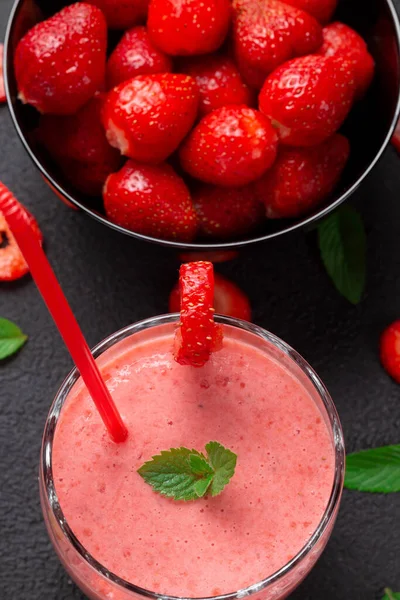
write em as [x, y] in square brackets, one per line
[369, 126]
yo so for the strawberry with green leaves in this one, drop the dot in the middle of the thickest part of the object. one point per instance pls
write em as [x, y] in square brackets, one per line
[152, 200]
[266, 33]
[308, 99]
[230, 146]
[148, 116]
[60, 63]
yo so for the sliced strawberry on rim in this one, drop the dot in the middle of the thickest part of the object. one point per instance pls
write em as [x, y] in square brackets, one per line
[12, 263]
[198, 335]
[396, 137]
[2, 90]
[229, 299]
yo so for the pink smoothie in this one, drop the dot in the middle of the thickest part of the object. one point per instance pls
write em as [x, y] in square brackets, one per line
[242, 398]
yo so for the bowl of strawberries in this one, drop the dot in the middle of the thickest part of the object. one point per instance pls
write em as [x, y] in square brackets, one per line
[204, 124]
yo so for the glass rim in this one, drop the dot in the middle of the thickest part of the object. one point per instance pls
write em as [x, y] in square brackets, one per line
[293, 355]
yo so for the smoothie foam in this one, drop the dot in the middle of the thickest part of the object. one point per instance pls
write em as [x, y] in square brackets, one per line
[243, 398]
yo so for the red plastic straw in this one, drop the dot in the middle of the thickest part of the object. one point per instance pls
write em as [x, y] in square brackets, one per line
[61, 312]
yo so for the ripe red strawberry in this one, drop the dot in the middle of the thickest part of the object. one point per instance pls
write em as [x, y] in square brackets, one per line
[322, 10]
[151, 200]
[225, 213]
[231, 146]
[219, 82]
[60, 63]
[302, 177]
[308, 99]
[214, 256]
[229, 299]
[390, 350]
[346, 44]
[122, 14]
[147, 117]
[198, 336]
[2, 90]
[186, 27]
[267, 33]
[79, 146]
[135, 55]
[12, 263]
[396, 137]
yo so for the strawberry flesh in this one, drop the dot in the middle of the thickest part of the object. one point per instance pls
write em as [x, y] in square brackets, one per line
[12, 263]
[198, 335]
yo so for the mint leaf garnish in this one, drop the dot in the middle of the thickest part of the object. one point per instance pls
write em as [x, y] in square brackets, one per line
[376, 470]
[223, 461]
[11, 338]
[184, 474]
[389, 595]
[342, 243]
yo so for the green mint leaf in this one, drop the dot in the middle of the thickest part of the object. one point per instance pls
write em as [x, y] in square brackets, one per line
[11, 338]
[376, 470]
[199, 465]
[342, 243]
[389, 595]
[223, 461]
[184, 474]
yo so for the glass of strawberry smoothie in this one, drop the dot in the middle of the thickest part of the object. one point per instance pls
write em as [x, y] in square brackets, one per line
[119, 540]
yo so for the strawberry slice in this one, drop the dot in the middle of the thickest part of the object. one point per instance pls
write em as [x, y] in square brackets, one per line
[12, 263]
[198, 334]
[2, 90]
[390, 350]
[229, 299]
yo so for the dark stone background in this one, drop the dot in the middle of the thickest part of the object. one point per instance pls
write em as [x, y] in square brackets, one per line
[112, 280]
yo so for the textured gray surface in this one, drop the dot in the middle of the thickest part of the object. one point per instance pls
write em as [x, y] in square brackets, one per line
[111, 281]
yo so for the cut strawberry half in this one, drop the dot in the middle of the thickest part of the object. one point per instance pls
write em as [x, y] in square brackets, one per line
[2, 90]
[12, 263]
[229, 299]
[198, 335]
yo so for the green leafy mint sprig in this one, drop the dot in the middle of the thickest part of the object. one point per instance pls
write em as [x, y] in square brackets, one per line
[11, 338]
[342, 244]
[184, 474]
[376, 470]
